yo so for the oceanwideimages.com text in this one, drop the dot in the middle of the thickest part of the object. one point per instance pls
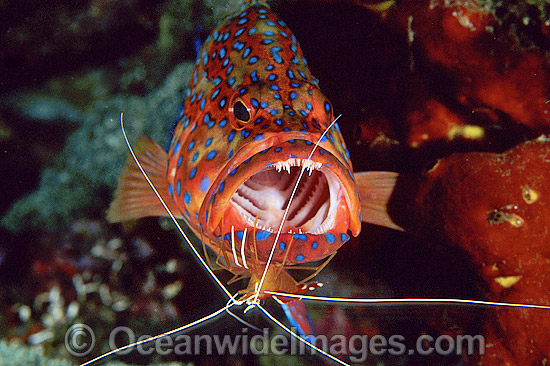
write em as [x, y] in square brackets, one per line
[80, 341]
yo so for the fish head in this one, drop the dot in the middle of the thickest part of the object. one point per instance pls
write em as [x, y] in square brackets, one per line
[253, 117]
[277, 138]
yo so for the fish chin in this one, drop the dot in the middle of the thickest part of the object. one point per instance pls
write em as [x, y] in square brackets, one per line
[262, 199]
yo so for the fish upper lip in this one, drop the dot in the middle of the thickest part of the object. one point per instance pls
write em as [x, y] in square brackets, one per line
[337, 183]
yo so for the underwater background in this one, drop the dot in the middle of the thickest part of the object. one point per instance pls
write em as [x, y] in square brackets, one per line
[454, 95]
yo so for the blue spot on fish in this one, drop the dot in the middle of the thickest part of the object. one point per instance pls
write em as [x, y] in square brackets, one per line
[262, 235]
[330, 238]
[239, 32]
[302, 237]
[205, 184]
[211, 155]
[187, 198]
[215, 94]
[238, 46]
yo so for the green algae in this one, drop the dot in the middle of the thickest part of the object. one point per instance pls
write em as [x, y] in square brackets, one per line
[94, 155]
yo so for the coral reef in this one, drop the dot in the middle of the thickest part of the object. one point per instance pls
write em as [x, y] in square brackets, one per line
[93, 275]
[15, 354]
[495, 207]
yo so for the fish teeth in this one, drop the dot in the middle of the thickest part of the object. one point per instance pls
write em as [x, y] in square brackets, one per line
[308, 164]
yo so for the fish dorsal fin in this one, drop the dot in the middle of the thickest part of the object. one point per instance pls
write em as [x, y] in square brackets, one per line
[134, 198]
[375, 189]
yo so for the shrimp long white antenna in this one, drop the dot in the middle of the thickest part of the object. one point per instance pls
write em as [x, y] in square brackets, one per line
[165, 334]
[226, 308]
[418, 300]
[195, 251]
[254, 298]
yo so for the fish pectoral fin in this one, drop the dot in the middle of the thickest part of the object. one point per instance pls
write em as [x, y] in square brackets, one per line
[375, 189]
[134, 197]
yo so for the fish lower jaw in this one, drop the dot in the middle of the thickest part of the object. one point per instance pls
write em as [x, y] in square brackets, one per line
[271, 197]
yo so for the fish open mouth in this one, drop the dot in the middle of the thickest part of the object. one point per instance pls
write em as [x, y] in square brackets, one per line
[258, 190]
[263, 198]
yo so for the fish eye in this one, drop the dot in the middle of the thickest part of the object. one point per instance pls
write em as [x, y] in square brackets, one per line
[241, 112]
